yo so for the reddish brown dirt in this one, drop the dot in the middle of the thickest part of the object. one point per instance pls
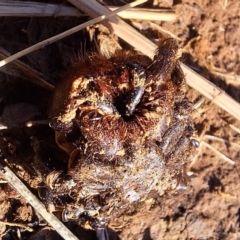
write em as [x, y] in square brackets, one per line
[209, 34]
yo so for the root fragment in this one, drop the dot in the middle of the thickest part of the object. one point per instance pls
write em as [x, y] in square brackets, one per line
[20, 225]
[218, 153]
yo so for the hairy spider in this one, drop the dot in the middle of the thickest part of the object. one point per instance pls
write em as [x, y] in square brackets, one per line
[126, 124]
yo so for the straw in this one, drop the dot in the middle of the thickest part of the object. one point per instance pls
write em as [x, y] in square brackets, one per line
[16, 183]
[66, 33]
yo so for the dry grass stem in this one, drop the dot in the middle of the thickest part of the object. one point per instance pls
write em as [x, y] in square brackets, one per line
[199, 103]
[5, 54]
[218, 153]
[146, 14]
[66, 33]
[3, 181]
[230, 78]
[17, 225]
[212, 92]
[117, 26]
[16, 183]
[199, 108]
[37, 9]
[21, 69]
[162, 30]
[236, 129]
[211, 137]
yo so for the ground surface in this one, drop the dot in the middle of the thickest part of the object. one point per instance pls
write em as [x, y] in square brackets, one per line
[209, 34]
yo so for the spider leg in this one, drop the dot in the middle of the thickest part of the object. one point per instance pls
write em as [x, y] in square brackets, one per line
[182, 180]
[171, 137]
[106, 107]
[179, 73]
[102, 233]
[101, 229]
[139, 79]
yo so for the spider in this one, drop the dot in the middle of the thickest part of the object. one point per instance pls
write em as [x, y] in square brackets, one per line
[126, 124]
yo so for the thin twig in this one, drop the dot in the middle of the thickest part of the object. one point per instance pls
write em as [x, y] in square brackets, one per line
[236, 129]
[5, 54]
[37, 9]
[25, 70]
[146, 14]
[3, 181]
[218, 153]
[16, 183]
[199, 103]
[230, 78]
[211, 137]
[212, 92]
[162, 30]
[17, 225]
[66, 33]
[117, 26]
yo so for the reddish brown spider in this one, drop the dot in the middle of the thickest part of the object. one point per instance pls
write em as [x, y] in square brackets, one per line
[127, 127]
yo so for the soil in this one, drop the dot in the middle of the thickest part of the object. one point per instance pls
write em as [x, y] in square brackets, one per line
[209, 208]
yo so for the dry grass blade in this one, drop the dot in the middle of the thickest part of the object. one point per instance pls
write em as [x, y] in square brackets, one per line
[22, 69]
[211, 137]
[16, 183]
[146, 14]
[17, 225]
[66, 33]
[236, 129]
[131, 36]
[162, 30]
[198, 104]
[212, 92]
[5, 53]
[218, 153]
[36, 9]
[118, 26]
[3, 181]
[230, 78]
